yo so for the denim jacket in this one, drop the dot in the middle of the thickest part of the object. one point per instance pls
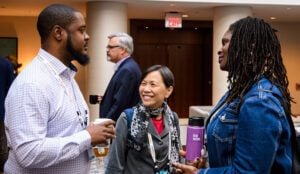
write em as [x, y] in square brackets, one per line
[254, 139]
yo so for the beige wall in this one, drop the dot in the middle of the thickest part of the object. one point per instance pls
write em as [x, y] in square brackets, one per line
[24, 28]
[289, 37]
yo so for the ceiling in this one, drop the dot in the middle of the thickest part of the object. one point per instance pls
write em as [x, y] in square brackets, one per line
[156, 9]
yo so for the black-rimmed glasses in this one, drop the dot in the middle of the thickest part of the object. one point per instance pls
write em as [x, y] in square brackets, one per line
[112, 46]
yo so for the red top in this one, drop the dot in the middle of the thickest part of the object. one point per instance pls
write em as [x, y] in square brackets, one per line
[158, 124]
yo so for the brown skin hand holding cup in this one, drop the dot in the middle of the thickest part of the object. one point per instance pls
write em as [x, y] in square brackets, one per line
[102, 149]
[101, 131]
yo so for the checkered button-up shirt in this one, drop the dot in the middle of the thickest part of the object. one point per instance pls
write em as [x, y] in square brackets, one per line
[43, 126]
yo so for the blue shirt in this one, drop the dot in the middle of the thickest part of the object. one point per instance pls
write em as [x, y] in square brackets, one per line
[6, 78]
[254, 139]
[42, 126]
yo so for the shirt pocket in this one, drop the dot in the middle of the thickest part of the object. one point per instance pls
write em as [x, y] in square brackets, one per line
[224, 130]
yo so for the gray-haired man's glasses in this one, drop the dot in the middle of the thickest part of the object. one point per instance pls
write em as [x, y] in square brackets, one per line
[112, 46]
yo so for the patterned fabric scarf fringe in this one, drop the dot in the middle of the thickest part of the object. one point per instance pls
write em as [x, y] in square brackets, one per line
[140, 122]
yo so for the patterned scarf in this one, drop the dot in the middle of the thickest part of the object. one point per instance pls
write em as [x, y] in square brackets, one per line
[140, 121]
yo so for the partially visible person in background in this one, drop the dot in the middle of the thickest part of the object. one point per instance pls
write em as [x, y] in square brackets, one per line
[122, 91]
[250, 129]
[6, 78]
[148, 135]
[14, 61]
[46, 116]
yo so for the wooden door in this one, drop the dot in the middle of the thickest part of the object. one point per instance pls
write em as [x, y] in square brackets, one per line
[187, 52]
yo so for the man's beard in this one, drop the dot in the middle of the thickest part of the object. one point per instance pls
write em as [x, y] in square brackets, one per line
[80, 58]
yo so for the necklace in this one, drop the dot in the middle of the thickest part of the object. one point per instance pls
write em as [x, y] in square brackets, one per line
[153, 154]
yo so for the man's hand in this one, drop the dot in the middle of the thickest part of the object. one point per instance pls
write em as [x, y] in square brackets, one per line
[101, 132]
[100, 97]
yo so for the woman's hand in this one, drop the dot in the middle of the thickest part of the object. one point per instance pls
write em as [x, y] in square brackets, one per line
[198, 162]
[185, 169]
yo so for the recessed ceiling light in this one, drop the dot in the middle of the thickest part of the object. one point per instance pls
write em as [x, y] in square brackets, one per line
[185, 15]
[273, 18]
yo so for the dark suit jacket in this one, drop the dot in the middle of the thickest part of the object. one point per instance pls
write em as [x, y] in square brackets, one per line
[122, 91]
[6, 78]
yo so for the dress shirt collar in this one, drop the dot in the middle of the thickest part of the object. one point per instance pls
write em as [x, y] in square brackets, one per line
[57, 65]
[117, 65]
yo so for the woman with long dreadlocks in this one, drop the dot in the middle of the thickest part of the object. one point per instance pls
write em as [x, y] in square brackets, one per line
[249, 129]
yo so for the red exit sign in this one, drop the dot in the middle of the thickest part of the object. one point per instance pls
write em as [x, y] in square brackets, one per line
[173, 20]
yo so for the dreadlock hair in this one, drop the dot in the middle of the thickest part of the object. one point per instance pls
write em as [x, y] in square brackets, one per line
[254, 51]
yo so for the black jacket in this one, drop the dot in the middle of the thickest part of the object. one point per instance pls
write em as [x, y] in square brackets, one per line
[122, 91]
